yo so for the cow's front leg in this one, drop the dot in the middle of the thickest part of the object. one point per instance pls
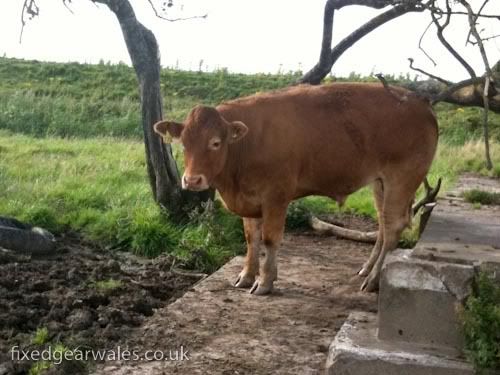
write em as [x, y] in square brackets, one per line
[272, 233]
[253, 235]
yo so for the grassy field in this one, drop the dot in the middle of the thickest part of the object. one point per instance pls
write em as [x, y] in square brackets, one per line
[71, 156]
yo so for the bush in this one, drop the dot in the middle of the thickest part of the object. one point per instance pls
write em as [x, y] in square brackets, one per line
[481, 324]
[482, 197]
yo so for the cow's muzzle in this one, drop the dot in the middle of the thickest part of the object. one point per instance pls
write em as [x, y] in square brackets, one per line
[196, 182]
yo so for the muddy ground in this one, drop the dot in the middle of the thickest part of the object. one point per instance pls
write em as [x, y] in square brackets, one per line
[85, 296]
[70, 294]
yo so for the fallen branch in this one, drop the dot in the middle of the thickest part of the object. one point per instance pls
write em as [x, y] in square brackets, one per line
[430, 195]
[349, 234]
[396, 96]
[195, 275]
[424, 217]
[427, 204]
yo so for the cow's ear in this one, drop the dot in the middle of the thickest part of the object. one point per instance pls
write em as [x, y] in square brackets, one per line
[168, 130]
[237, 130]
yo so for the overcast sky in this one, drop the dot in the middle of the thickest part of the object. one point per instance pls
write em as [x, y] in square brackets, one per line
[242, 35]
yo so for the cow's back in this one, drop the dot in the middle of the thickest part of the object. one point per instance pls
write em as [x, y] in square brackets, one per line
[332, 139]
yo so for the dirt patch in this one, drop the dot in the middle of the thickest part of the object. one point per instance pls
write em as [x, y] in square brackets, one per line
[85, 297]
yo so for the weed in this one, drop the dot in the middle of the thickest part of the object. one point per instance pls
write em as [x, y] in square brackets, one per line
[107, 285]
[482, 197]
[39, 368]
[41, 336]
[481, 324]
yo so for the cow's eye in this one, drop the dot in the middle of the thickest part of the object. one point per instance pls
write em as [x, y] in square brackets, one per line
[214, 144]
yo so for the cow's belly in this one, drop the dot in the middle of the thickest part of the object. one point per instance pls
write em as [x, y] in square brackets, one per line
[243, 205]
[333, 186]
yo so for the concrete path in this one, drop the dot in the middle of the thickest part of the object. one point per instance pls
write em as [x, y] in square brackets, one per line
[458, 231]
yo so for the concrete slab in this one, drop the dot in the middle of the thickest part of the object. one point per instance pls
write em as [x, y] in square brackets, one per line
[418, 300]
[456, 224]
[356, 350]
[459, 233]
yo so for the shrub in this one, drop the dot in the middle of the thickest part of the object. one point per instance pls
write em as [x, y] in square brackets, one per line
[481, 324]
[482, 197]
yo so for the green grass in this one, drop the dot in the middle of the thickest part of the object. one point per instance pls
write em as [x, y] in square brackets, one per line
[41, 336]
[97, 187]
[82, 100]
[482, 197]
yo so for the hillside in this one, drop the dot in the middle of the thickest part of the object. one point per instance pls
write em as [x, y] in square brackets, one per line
[83, 100]
[73, 99]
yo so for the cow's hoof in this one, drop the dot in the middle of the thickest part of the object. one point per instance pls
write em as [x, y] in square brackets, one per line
[260, 289]
[244, 281]
[370, 284]
[364, 271]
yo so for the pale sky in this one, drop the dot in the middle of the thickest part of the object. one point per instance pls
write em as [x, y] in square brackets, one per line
[241, 35]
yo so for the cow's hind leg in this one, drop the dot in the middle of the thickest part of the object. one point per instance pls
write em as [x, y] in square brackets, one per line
[378, 194]
[253, 235]
[273, 225]
[396, 216]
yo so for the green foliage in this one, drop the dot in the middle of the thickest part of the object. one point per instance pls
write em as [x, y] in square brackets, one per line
[83, 100]
[298, 215]
[41, 336]
[39, 368]
[482, 197]
[481, 324]
[459, 125]
[212, 237]
[99, 187]
[107, 285]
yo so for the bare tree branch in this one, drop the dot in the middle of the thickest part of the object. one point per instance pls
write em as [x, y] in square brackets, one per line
[444, 42]
[456, 87]
[30, 9]
[488, 78]
[173, 19]
[475, 17]
[437, 78]
[485, 39]
[66, 4]
[420, 44]
[429, 197]
[329, 56]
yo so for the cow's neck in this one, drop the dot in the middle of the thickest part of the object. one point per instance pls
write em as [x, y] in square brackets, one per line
[228, 181]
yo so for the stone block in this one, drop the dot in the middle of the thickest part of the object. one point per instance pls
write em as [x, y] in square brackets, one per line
[419, 300]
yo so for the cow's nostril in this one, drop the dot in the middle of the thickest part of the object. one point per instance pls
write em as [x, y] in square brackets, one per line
[193, 180]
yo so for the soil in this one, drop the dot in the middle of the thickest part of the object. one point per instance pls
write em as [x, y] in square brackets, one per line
[62, 293]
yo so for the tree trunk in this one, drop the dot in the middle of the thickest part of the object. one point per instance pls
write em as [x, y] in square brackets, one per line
[161, 166]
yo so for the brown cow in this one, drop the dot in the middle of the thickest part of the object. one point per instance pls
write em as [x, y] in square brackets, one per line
[263, 151]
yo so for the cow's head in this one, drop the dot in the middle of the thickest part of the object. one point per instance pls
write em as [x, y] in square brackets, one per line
[206, 136]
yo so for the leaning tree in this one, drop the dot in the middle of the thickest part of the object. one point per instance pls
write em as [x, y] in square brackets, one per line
[142, 47]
